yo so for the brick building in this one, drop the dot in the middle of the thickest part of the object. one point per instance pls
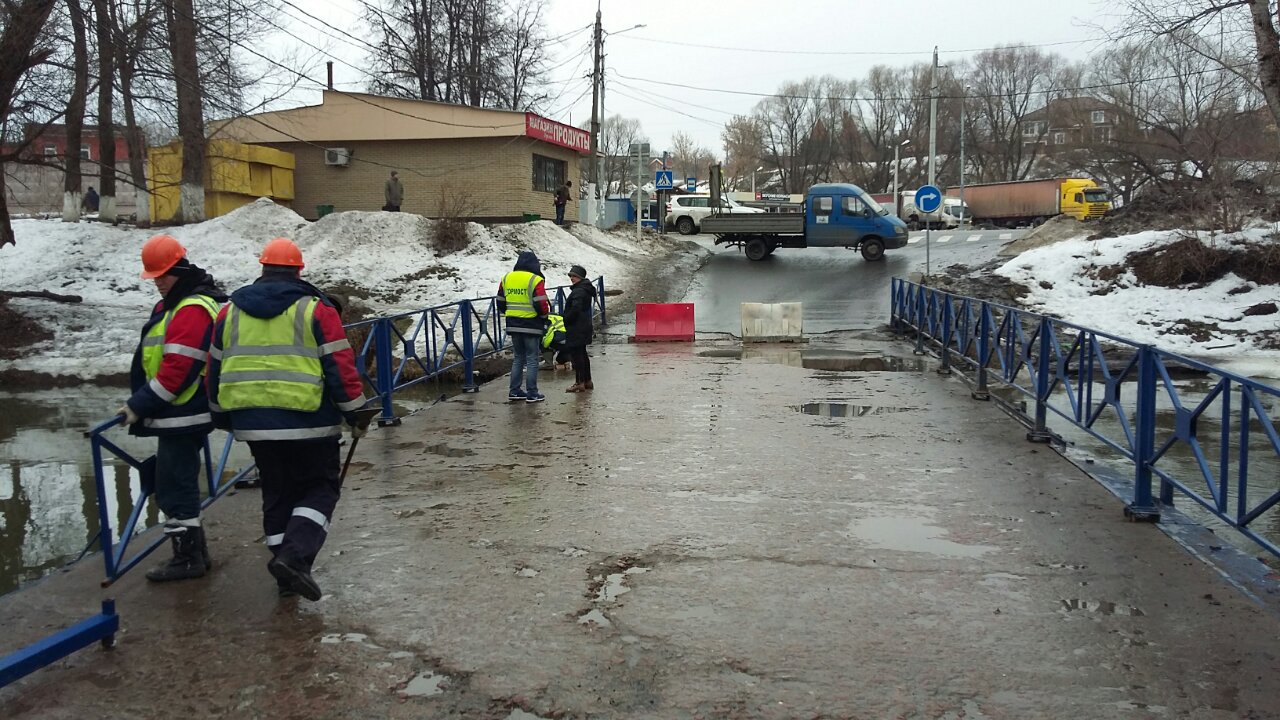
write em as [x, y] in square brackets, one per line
[478, 163]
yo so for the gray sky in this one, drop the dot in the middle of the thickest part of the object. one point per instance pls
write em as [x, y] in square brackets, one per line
[805, 38]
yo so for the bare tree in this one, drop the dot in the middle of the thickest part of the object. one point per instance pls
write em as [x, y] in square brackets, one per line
[525, 54]
[19, 55]
[135, 23]
[104, 20]
[1010, 84]
[743, 150]
[180, 18]
[689, 159]
[797, 140]
[71, 195]
[617, 134]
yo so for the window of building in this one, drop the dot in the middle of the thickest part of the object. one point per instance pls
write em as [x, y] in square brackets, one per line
[1059, 138]
[1102, 134]
[1031, 129]
[1099, 117]
[548, 173]
[50, 150]
[84, 153]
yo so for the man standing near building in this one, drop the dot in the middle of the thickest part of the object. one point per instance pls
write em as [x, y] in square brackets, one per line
[169, 401]
[522, 297]
[393, 192]
[283, 377]
[562, 199]
[90, 202]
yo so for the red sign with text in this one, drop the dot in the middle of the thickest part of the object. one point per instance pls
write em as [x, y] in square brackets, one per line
[536, 126]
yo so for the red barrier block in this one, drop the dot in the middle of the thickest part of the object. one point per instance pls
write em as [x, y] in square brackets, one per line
[663, 322]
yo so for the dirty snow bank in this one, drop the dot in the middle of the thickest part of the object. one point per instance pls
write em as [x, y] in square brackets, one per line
[386, 260]
[1062, 281]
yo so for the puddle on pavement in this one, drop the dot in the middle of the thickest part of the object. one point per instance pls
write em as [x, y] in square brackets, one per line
[830, 360]
[1102, 607]
[908, 534]
[425, 684]
[839, 409]
[615, 584]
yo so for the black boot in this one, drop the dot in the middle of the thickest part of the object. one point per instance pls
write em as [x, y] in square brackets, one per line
[187, 561]
[296, 577]
[204, 549]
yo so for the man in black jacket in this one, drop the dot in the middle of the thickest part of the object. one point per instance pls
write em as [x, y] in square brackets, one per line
[578, 328]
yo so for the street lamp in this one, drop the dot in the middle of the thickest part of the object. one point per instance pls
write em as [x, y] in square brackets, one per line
[964, 97]
[753, 180]
[896, 208]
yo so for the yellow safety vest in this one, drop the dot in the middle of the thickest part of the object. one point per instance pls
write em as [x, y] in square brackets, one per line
[154, 348]
[271, 363]
[518, 288]
[555, 324]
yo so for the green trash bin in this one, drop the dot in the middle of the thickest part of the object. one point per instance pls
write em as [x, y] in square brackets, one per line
[532, 217]
[322, 210]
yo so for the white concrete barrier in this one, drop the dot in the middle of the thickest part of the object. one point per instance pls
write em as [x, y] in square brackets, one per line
[773, 322]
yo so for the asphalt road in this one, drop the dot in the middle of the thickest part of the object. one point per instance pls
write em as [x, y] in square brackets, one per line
[839, 290]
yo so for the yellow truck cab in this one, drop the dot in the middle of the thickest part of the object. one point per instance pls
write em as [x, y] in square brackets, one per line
[1083, 199]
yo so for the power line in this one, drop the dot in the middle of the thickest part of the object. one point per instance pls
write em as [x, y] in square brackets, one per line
[863, 53]
[856, 98]
[664, 107]
[674, 100]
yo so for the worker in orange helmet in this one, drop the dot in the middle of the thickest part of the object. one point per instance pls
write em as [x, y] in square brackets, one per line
[169, 400]
[282, 377]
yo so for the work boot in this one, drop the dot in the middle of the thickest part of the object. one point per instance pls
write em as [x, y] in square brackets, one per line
[285, 590]
[204, 548]
[588, 385]
[188, 559]
[297, 578]
[574, 388]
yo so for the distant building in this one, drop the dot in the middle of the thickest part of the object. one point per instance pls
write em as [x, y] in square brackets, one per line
[51, 142]
[476, 163]
[1068, 123]
[35, 187]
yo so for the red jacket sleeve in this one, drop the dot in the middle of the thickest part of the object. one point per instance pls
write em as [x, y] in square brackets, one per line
[540, 299]
[338, 361]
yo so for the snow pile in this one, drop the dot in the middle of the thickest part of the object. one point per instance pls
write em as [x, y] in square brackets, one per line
[1063, 282]
[1056, 229]
[387, 261]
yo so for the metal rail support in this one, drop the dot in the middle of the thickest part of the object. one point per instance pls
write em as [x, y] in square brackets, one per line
[386, 372]
[99, 628]
[468, 350]
[1143, 507]
[1039, 433]
[981, 392]
[948, 330]
[921, 314]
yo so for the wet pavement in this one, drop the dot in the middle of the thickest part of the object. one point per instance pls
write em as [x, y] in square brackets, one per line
[831, 530]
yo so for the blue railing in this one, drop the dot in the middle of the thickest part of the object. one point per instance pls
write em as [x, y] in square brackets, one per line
[1120, 392]
[431, 342]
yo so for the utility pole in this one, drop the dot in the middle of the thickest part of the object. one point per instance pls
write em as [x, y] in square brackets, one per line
[933, 116]
[594, 171]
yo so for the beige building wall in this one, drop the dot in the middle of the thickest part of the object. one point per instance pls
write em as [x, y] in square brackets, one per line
[491, 179]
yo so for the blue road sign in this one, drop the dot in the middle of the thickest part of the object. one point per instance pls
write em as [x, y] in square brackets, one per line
[663, 180]
[691, 183]
[928, 198]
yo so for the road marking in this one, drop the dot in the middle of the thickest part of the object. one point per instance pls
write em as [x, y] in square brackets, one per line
[1006, 236]
[944, 238]
[973, 238]
[914, 240]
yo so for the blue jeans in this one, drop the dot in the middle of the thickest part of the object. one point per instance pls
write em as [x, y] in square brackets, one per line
[560, 214]
[524, 366]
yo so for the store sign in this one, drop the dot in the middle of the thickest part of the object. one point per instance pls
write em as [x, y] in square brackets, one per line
[536, 126]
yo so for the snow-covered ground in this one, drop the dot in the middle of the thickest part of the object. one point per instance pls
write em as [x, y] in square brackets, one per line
[1061, 283]
[389, 257]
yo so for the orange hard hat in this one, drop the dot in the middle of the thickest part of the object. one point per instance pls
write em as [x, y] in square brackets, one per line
[160, 254]
[281, 251]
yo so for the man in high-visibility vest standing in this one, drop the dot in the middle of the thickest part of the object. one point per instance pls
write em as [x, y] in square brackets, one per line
[282, 377]
[169, 401]
[523, 299]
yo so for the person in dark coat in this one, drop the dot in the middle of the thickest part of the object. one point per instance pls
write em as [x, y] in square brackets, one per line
[578, 328]
[562, 199]
[90, 202]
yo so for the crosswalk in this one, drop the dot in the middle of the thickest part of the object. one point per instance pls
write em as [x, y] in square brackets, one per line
[969, 237]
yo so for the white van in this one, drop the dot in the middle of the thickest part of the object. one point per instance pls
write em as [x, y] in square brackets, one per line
[685, 212]
[946, 217]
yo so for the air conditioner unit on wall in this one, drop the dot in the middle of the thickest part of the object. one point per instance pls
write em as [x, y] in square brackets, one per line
[337, 156]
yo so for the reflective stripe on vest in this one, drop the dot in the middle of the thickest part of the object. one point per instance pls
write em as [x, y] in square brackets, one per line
[555, 324]
[271, 363]
[518, 288]
[154, 349]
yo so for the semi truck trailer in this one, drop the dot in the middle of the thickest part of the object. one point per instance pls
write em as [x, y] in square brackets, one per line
[1031, 202]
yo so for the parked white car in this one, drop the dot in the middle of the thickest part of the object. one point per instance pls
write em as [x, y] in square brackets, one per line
[685, 212]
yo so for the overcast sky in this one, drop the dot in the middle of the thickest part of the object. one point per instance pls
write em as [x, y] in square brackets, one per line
[705, 43]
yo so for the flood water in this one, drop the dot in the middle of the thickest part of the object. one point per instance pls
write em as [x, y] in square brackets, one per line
[48, 503]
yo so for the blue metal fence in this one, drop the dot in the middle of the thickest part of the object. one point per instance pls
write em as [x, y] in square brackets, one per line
[1120, 392]
[430, 342]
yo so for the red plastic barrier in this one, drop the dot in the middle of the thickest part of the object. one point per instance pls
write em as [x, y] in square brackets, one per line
[663, 322]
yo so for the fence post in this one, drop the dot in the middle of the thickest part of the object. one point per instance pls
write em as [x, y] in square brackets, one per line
[386, 375]
[1039, 433]
[468, 350]
[104, 518]
[1143, 507]
[948, 322]
[921, 320]
[600, 298]
[895, 307]
[984, 353]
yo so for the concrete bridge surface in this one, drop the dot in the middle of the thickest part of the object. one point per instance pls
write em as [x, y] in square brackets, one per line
[703, 536]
